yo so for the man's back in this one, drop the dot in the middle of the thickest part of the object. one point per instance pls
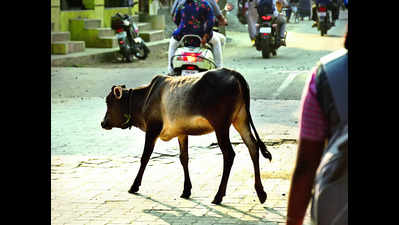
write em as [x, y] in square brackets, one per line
[194, 17]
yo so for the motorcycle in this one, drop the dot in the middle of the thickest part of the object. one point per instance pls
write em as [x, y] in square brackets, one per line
[324, 21]
[127, 33]
[191, 58]
[266, 39]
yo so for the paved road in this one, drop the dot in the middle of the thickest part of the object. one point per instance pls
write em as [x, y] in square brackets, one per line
[92, 169]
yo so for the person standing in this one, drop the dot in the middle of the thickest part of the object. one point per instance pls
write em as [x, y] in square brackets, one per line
[322, 113]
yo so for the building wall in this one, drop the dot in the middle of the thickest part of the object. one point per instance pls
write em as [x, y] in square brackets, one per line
[61, 18]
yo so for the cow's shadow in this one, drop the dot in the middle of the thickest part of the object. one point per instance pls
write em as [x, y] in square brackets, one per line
[174, 214]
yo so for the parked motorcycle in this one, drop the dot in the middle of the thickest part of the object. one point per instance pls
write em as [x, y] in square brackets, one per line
[191, 58]
[324, 19]
[127, 33]
[266, 39]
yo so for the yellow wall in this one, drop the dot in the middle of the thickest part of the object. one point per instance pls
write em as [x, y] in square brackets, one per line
[61, 18]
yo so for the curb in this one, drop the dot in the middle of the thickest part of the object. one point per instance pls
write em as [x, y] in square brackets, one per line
[97, 55]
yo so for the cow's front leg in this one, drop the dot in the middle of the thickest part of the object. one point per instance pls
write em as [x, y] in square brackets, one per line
[183, 143]
[150, 139]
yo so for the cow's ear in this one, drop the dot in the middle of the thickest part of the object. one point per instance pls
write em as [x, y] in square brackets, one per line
[118, 92]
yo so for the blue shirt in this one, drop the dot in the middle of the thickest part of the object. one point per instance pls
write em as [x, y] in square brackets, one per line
[194, 17]
[212, 3]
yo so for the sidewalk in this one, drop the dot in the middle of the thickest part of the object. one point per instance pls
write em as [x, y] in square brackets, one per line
[98, 55]
[93, 190]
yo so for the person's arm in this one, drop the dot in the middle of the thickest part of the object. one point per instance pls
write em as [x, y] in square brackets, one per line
[308, 159]
[215, 7]
[177, 16]
[209, 22]
[217, 12]
[174, 6]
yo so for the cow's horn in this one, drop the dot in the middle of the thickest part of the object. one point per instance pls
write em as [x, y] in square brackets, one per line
[118, 92]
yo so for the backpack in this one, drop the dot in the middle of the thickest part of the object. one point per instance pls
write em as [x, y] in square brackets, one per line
[330, 196]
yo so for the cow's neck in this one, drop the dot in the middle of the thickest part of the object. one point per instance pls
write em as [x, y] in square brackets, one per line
[137, 118]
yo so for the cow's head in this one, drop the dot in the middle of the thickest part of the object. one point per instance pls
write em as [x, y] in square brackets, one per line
[117, 114]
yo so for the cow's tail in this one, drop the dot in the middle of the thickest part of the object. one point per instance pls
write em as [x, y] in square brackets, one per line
[246, 96]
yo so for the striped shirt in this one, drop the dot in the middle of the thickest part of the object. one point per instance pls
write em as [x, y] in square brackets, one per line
[313, 123]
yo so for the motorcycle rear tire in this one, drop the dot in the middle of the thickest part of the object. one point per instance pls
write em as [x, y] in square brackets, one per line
[129, 58]
[323, 31]
[127, 55]
[265, 48]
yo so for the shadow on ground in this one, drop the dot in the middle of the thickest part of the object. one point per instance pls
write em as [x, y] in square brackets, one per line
[215, 214]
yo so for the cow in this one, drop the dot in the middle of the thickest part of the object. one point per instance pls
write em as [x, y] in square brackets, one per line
[179, 106]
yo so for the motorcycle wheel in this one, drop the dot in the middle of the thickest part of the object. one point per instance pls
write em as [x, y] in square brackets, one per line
[142, 52]
[323, 31]
[265, 49]
[129, 57]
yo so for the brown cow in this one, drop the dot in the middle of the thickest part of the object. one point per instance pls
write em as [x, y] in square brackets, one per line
[190, 105]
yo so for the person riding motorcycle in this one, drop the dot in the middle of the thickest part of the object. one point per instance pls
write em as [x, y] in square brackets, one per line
[217, 12]
[332, 5]
[195, 17]
[269, 6]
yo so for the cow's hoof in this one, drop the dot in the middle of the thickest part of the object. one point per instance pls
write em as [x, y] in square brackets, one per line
[186, 194]
[133, 190]
[217, 200]
[262, 196]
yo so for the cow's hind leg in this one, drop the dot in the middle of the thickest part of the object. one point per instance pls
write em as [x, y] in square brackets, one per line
[241, 124]
[183, 143]
[228, 159]
[150, 139]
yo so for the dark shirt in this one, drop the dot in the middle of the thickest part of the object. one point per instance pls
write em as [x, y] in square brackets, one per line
[324, 2]
[193, 17]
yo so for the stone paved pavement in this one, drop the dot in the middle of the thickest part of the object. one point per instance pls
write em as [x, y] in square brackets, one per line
[94, 190]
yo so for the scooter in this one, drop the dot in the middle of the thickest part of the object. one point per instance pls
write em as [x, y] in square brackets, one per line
[266, 39]
[191, 58]
[127, 33]
[324, 22]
